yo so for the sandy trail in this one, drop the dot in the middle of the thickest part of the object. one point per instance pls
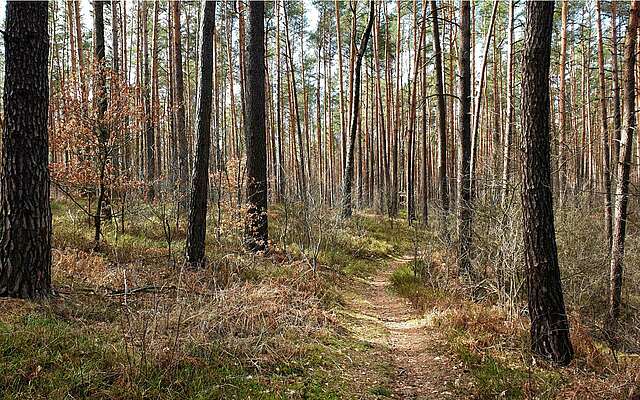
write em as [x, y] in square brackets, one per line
[415, 346]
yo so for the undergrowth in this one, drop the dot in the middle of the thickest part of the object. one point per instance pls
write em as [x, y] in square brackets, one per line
[486, 326]
[130, 321]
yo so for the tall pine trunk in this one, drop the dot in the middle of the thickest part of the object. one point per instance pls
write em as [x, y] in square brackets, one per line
[411, 135]
[617, 115]
[100, 91]
[508, 135]
[25, 212]
[464, 169]
[148, 111]
[355, 113]
[442, 121]
[624, 164]
[256, 229]
[197, 223]
[562, 122]
[604, 131]
[181, 130]
[549, 325]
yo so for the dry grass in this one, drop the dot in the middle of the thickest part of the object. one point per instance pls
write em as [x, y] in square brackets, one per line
[142, 323]
[486, 321]
[259, 326]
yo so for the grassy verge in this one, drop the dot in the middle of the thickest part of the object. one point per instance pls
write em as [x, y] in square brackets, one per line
[494, 348]
[129, 322]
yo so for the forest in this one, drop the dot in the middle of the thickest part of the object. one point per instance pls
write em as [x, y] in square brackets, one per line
[319, 199]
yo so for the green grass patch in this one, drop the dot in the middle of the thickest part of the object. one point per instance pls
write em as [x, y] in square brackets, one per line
[45, 357]
[406, 282]
[381, 391]
[500, 378]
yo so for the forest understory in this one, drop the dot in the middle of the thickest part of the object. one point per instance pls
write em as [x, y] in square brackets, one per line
[358, 309]
[319, 200]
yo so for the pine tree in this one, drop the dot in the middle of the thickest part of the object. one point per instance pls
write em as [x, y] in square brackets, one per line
[25, 212]
[256, 228]
[549, 325]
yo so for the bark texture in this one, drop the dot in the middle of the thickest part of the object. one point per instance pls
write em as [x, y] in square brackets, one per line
[549, 325]
[197, 223]
[256, 228]
[624, 164]
[25, 212]
[464, 169]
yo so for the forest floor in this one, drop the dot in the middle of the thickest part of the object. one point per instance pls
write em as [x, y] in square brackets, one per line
[374, 313]
[423, 367]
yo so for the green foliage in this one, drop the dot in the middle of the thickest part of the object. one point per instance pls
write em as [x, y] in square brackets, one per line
[381, 391]
[407, 281]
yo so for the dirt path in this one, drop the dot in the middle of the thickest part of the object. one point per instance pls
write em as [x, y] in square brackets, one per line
[414, 346]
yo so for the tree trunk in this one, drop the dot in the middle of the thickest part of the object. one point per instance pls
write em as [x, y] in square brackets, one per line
[115, 34]
[506, 158]
[355, 105]
[604, 131]
[411, 142]
[25, 212]
[79, 47]
[624, 164]
[395, 173]
[426, 150]
[383, 131]
[72, 47]
[148, 125]
[280, 181]
[294, 94]
[102, 134]
[196, 229]
[464, 169]
[562, 177]
[155, 145]
[549, 326]
[343, 124]
[442, 121]
[617, 117]
[256, 231]
[478, 99]
[319, 121]
[181, 129]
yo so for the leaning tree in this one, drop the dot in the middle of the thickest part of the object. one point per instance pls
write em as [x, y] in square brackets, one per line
[347, 181]
[549, 325]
